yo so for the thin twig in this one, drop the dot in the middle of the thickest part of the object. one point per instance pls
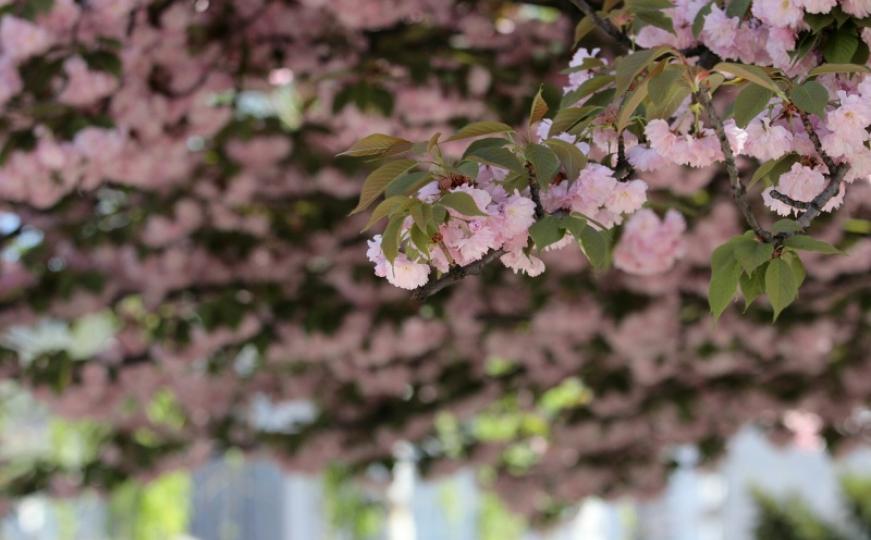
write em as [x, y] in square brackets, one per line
[535, 192]
[815, 139]
[816, 205]
[786, 199]
[739, 192]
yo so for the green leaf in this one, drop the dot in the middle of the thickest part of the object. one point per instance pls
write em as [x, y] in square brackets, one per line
[516, 182]
[439, 215]
[862, 54]
[544, 162]
[811, 97]
[566, 118]
[807, 42]
[408, 183]
[737, 8]
[770, 171]
[807, 243]
[699, 20]
[546, 231]
[840, 46]
[476, 129]
[484, 143]
[574, 225]
[785, 226]
[420, 239]
[751, 101]
[656, 18]
[386, 207]
[629, 105]
[752, 254]
[103, 60]
[462, 203]
[497, 156]
[377, 144]
[818, 21]
[628, 67]
[752, 286]
[571, 157]
[377, 181]
[586, 88]
[725, 272]
[584, 27]
[797, 267]
[420, 213]
[538, 108]
[602, 98]
[780, 285]
[595, 246]
[650, 12]
[666, 92]
[754, 74]
[390, 238]
[838, 68]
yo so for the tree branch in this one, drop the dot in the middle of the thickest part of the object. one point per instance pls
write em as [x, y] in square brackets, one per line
[739, 192]
[604, 24]
[456, 274]
[623, 169]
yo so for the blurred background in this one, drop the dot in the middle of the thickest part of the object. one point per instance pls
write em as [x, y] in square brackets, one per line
[193, 344]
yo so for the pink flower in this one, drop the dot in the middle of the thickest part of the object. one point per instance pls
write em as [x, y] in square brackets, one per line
[439, 259]
[781, 41]
[10, 81]
[518, 261]
[407, 274]
[84, 86]
[22, 39]
[644, 159]
[469, 241]
[518, 215]
[376, 256]
[592, 189]
[429, 193]
[648, 245]
[719, 32]
[736, 136]
[778, 12]
[577, 78]
[800, 183]
[847, 124]
[482, 198]
[403, 273]
[817, 6]
[768, 142]
[857, 8]
[627, 197]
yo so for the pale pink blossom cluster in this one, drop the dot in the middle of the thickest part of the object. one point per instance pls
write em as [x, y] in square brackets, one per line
[463, 240]
[802, 184]
[650, 245]
[695, 150]
[766, 38]
[845, 138]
